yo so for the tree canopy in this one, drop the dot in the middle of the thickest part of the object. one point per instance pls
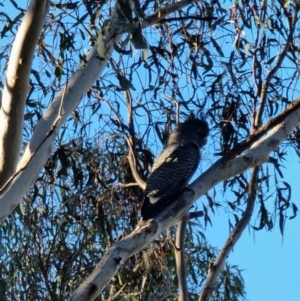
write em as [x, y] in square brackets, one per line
[90, 91]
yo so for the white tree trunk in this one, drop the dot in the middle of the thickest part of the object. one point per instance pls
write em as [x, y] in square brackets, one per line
[17, 85]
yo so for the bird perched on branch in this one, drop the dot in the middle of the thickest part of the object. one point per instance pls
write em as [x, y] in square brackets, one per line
[175, 165]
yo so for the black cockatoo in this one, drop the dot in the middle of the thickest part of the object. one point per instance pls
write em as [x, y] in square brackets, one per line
[174, 166]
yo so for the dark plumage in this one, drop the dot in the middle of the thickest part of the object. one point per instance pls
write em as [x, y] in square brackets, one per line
[175, 166]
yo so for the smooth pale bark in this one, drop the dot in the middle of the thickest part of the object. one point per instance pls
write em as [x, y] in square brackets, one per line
[17, 85]
[46, 130]
[180, 262]
[177, 211]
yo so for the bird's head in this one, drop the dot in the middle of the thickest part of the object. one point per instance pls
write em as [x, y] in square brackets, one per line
[191, 130]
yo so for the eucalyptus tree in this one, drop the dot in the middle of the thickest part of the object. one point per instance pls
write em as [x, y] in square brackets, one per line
[90, 92]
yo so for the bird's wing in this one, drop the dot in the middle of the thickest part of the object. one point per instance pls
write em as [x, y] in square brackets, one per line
[171, 171]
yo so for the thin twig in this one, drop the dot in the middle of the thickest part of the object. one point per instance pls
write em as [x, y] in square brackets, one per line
[132, 163]
[187, 18]
[131, 157]
[125, 185]
[131, 143]
[281, 56]
[258, 133]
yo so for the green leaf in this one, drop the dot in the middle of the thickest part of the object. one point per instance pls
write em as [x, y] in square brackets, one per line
[101, 47]
[125, 83]
[58, 71]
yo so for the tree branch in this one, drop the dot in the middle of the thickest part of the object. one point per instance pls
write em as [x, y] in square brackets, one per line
[243, 145]
[131, 143]
[41, 143]
[281, 56]
[133, 167]
[180, 261]
[216, 267]
[162, 12]
[176, 211]
[16, 86]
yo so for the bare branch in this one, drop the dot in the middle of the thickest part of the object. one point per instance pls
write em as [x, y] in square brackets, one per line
[16, 87]
[132, 163]
[180, 261]
[165, 11]
[281, 56]
[187, 18]
[131, 143]
[242, 146]
[216, 267]
[130, 140]
[125, 185]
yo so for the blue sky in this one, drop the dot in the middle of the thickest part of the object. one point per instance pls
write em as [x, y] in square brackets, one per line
[271, 263]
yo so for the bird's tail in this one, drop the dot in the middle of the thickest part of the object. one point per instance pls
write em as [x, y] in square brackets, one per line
[152, 207]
